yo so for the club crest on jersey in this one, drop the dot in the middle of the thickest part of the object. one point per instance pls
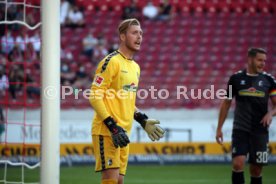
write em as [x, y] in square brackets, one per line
[260, 83]
[109, 162]
[130, 87]
[98, 80]
[251, 92]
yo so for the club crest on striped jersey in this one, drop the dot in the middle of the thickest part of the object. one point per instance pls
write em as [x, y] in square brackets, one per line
[109, 162]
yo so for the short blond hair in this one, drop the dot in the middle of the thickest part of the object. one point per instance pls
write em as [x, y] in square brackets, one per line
[125, 24]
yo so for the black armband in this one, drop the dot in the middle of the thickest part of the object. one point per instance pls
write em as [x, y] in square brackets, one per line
[140, 118]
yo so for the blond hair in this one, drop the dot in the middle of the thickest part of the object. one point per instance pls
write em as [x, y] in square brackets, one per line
[125, 24]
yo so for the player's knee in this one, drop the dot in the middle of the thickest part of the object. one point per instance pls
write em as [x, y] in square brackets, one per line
[109, 181]
[110, 174]
[121, 179]
[255, 170]
[238, 165]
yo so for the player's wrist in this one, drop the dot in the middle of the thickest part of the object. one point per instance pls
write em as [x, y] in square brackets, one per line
[271, 113]
[219, 127]
[141, 118]
[111, 125]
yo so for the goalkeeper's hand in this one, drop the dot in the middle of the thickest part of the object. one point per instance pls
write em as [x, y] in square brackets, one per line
[154, 131]
[118, 134]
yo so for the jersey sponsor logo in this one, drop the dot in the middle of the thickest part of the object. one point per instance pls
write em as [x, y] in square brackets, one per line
[251, 92]
[130, 87]
[98, 80]
[124, 71]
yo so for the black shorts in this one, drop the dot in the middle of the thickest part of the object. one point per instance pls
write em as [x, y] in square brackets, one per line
[254, 144]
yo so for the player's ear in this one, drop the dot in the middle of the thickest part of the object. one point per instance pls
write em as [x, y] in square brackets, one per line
[249, 60]
[122, 37]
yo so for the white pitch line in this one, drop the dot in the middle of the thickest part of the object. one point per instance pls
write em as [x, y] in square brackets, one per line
[189, 181]
[179, 181]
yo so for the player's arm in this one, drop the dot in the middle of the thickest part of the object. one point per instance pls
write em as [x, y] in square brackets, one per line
[101, 83]
[267, 119]
[224, 108]
[154, 131]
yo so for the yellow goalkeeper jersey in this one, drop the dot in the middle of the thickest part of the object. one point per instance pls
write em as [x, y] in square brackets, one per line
[113, 92]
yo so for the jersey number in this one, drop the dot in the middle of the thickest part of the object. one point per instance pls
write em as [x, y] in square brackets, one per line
[262, 157]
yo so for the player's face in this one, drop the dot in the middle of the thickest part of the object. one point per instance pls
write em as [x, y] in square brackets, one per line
[258, 63]
[133, 38]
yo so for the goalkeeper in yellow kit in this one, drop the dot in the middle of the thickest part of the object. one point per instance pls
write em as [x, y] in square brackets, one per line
[113, 95]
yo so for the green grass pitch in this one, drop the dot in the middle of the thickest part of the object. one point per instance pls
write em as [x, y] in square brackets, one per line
[149, 174]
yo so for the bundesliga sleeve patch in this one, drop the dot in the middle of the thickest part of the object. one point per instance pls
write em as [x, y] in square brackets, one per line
[98, 80]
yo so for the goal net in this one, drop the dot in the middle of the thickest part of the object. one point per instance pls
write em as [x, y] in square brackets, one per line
[20, 65]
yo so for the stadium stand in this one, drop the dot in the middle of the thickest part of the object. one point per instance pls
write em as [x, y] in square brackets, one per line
[201, 45]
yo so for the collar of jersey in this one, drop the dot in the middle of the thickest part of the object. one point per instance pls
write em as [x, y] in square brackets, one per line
[124, 56]
[250, 75]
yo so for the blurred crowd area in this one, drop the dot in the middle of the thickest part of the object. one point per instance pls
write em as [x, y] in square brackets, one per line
[192, 43]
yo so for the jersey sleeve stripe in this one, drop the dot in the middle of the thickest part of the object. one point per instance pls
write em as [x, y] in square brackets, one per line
[272, 92]
[107, 60]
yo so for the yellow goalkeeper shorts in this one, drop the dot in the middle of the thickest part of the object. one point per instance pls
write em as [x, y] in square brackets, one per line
[107, 156]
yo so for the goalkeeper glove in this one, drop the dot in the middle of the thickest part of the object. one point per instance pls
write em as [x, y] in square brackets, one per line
[154, 131]
[118, 134]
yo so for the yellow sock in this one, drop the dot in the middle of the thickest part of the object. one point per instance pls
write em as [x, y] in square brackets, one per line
[109, 181]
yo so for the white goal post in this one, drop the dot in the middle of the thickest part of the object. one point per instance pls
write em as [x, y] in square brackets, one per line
[50, 98]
